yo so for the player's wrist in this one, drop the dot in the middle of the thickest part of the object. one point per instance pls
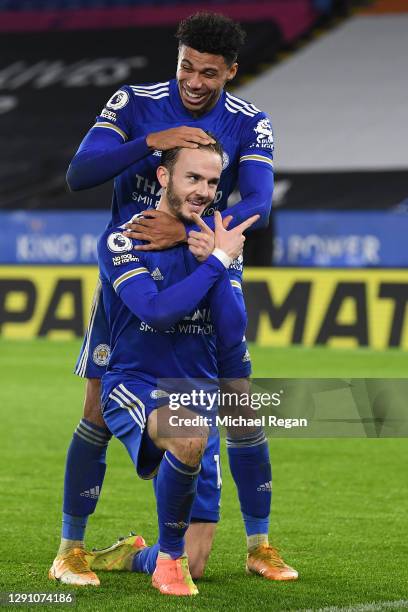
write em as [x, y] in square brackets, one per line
[222, 256]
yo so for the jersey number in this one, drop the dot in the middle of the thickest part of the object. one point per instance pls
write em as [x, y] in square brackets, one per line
[217, 463]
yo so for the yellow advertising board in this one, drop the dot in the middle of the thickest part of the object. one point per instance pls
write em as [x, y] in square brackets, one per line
[45, 301]
[332, 307]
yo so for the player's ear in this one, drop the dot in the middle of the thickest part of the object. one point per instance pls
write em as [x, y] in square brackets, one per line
[162, 176]
[232, 71]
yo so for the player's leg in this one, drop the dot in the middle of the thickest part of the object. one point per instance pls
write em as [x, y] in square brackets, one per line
[199, 541]
[131, 554]
[249, 461]
[206, 507]
[176, 488]
[143, 427]
[85, 463]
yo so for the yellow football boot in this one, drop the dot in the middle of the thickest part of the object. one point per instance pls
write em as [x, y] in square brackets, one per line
[119, 556]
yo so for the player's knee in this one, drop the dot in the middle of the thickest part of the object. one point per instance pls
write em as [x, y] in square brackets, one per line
[190, 450]
[92, 403]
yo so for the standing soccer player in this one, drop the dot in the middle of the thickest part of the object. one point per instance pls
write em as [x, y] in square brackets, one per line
[137, 124]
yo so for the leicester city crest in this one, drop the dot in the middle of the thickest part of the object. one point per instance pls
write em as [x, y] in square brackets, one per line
[101, 355]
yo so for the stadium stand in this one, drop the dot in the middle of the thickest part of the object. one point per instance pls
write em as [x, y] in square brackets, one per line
[327, 117]
[53, 82]
[340, 125]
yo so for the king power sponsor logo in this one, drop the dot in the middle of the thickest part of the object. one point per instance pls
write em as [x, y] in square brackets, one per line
[339, 308]
[314, 249]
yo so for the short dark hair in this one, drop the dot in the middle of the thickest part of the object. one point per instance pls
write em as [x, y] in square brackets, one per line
[169, 157]
[212, 33]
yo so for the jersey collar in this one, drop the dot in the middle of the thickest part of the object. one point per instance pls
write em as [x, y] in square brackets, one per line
[177, 104]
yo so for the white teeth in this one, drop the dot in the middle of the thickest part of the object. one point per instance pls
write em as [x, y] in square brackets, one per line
[192, 95]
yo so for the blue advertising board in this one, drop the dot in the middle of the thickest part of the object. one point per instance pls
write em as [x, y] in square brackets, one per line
[51, 237]
[341, 238]
[302, 238]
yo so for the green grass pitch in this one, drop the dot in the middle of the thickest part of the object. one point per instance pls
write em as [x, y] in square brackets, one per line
[339, 509]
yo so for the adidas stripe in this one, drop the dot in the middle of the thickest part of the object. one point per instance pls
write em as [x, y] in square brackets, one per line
[81, 367]
[127, 400]
[240, 102]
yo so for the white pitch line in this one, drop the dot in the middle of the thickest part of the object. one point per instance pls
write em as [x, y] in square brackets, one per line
[375, 606]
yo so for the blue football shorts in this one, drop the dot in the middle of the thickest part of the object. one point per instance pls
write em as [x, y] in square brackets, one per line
[127, 403]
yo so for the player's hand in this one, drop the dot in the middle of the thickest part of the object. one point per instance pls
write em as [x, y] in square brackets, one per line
[189, 137]
[159, 229]
[201, 243]
[231, 241]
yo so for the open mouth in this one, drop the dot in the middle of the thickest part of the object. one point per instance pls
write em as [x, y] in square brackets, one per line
[191, 97]
[196, 207]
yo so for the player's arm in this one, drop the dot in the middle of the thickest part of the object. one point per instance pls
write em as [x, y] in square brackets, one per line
[226, 300]
[255, 174]
[108, 148]
[161, 309]
[255, 181]
[102, 155]
[234, 362]
[228, 312]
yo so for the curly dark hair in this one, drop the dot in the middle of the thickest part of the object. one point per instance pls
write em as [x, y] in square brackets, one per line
[212, 33]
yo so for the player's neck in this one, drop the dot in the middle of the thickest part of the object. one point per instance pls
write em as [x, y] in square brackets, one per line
[163, 206]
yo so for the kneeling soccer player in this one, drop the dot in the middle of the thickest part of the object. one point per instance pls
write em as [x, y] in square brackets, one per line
[146, 296]
[176, 113]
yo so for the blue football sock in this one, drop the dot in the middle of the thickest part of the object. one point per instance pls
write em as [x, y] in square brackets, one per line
[176, 489]
[73, 527]
[144, 561]
[251, 469]
[85, 469]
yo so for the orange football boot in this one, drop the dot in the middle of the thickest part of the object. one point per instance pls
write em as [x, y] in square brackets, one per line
[266, 561]
[73, 568]
[172, 577]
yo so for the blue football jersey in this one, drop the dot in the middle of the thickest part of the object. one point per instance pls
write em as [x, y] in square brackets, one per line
[134, 111]
[187, 348]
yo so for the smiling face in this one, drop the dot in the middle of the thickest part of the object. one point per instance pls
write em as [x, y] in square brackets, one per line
[191, 184]
[201, 78]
